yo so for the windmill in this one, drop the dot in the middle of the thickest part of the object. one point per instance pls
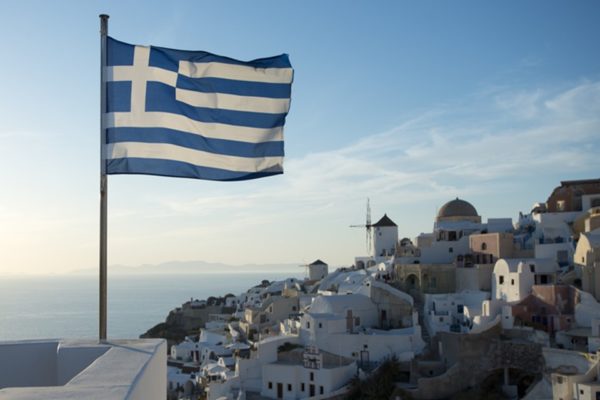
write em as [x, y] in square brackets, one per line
[315, 270]
[368, 227]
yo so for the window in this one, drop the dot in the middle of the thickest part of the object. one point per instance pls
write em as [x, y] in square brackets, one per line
[450, 250]
[483, 246]
[559, 379]
[357, 321]
[501, 279]
[320, 325]
[441, 319]
[312, 376]
[302, 386]
[532, 267]
[560, 205]
[289, 387]
[293, 308]
[320, 389]
[512, 282]
[562, 256]
[270, 385]
[307, 325]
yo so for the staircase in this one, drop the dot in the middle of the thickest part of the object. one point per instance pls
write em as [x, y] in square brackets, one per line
[420, 307]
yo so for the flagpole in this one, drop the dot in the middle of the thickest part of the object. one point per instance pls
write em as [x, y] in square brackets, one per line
[103, 180]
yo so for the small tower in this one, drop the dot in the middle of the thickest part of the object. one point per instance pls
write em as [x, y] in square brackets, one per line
[385, 237]
[317, 270]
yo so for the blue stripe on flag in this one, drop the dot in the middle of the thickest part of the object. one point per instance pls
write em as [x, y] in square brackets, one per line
[161, 97]
[118, 53]
[119, 96]
[241, 88]
[169, 59]
[180, 169]
[196, 142]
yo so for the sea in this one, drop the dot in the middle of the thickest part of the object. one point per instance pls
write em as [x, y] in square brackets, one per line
[67, 306]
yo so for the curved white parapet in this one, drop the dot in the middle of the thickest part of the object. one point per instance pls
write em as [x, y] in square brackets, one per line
[76, 369]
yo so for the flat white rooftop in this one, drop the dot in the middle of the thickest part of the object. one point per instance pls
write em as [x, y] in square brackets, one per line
[77, 369]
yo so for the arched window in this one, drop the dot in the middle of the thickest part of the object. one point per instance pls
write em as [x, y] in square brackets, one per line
[483, 246]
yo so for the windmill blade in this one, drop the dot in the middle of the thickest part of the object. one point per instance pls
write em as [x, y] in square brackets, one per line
[368, 227]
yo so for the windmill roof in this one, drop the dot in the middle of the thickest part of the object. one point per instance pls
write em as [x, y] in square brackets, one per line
[318, 262]
[385, 221]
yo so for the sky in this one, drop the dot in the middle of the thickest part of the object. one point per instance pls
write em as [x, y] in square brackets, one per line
[409, 104]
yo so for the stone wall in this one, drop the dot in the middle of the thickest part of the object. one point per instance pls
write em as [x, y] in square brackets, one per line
[470, 358]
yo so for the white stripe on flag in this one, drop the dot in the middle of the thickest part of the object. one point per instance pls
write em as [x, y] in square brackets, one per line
[235, 72]
[233, 102]
[185, 124]
[164, 151]
[128, 73]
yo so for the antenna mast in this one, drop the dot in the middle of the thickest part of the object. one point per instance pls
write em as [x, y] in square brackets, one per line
[369, 228]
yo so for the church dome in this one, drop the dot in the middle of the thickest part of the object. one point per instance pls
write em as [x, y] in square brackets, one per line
[457, 209]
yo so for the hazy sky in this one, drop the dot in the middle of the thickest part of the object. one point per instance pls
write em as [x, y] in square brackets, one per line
[408, 103]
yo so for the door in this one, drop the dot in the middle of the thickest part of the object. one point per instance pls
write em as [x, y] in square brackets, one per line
[349, 321]
[311, 390]
[280, 390]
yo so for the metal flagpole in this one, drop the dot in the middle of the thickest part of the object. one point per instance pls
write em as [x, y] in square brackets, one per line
[103, 180]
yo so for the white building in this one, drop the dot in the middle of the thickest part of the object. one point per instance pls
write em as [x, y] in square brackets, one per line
[575, 375]
[337, 314]
[548, 234]
[190, 351]
[306, 373]
[454, 312]
[343, 280]
[348, 324]
[512, 279]
[180, 382]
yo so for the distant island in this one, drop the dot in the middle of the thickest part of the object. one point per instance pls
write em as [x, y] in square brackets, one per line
[190, 267]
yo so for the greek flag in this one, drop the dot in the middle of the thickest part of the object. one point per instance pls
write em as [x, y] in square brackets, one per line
[194, 114]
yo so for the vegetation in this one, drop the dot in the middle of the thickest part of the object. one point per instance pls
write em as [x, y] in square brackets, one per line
[253, 332]
[380, 384]
[287, 346]
[173, 333]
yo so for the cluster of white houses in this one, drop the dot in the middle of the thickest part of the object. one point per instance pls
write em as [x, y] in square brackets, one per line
[539, 276]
